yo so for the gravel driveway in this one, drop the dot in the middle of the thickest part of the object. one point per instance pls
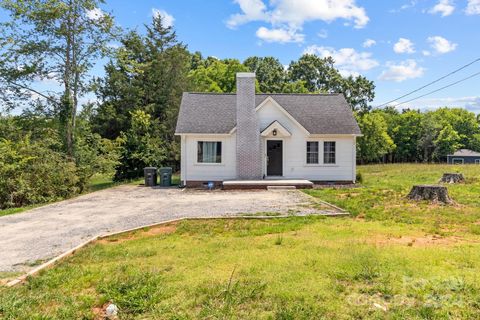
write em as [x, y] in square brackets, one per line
[47, 231]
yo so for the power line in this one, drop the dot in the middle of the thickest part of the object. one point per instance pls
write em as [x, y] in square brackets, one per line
[429, 84]
[434, 91]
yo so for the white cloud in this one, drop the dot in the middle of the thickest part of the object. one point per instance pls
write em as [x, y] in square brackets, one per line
[167, 18]
[441, 45]
[279, 35]
[369, 43]
[443, 7]
[323, 34]
[292, 14]
[404, 46]
[406, 6]
[348, 61]
[253, 10]
[402, 71]
[473, 7]
[426, 53]
[95, 14]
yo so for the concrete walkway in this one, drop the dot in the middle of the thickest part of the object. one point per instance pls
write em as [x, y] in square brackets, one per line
[47, 231]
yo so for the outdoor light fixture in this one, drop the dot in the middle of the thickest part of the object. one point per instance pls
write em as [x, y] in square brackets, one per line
[274, 132]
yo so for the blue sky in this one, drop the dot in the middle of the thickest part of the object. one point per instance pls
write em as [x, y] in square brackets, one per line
[400, 45]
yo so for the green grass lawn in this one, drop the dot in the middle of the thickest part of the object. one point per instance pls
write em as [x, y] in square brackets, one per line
[392, 260]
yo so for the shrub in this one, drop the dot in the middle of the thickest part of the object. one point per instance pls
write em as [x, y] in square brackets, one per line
[359, 177]
[32, 173]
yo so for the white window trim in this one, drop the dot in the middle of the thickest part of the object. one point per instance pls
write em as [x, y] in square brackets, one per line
[320, 153]
[461, 159]
[320, 148]
[197, 140]
[323, 153]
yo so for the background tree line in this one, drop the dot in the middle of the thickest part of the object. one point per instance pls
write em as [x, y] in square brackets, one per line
[52, 142]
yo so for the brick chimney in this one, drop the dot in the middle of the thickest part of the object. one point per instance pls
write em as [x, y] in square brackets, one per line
[249, 163]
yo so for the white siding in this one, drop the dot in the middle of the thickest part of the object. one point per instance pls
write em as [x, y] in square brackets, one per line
[294, 153]
[193, 171]
[295, 148]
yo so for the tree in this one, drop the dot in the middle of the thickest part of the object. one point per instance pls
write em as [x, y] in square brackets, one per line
[405, 134]
[447, 142]
[216, 75]
[320, 76]
[375, 142]
[56, 40]
[270, 73]
[141, 148]
[462, 121]
[147, 73]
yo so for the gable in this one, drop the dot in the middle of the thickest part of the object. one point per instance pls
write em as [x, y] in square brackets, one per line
[275, 129]
[269, 112]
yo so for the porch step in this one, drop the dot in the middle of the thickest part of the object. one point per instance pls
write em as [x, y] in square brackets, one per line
[266, 184]
[281, 188]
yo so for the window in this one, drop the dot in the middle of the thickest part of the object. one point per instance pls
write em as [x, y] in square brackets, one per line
[312, 152]
[477, 161]
[329, 152]
[457, 161]
[209, 152]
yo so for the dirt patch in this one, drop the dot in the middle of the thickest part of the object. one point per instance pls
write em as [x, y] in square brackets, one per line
[420, 241]
[100, 312]
[151, 231]
[162, 229]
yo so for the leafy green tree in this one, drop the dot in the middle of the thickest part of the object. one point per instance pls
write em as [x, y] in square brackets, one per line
[375, 142]
[429, 129]
[93, 154]
[320, 76]
[447, 142]
[140, 147]
[270, 73]
[475, 142]
[216, 76]
[406, 134]
[148, 73]
[462, 121]
[57, 40]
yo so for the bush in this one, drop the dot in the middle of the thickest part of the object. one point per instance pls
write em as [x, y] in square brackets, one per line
[359, 178]
[32, 173]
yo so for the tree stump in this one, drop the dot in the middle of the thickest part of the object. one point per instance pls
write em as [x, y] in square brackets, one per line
[452, 178]
[432, 193]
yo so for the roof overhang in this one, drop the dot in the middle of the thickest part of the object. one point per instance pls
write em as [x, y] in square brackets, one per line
[275, 129]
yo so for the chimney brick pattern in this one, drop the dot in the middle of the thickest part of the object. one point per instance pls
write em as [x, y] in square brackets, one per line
[249, 160]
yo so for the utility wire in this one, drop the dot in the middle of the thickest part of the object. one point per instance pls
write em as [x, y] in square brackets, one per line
[429, 84]
[444, 87]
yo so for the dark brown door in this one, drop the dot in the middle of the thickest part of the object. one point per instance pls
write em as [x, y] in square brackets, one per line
[274, 158]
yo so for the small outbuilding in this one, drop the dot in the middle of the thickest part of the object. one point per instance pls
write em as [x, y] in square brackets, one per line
[464, 156]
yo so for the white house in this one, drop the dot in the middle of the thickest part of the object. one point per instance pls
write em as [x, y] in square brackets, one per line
[248, 136]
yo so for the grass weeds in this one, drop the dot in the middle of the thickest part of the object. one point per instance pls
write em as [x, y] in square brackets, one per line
[394, 259]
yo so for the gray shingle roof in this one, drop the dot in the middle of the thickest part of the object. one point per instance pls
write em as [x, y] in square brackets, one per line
[466, 153]
[216, 113]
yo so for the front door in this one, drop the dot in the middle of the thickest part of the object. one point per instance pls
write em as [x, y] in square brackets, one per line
[274, 158]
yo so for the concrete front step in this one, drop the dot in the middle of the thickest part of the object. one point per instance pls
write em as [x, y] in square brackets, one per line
[267, 184]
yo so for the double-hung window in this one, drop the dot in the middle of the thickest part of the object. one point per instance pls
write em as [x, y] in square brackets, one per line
[312, 152]
[329, 152]
[209, 152]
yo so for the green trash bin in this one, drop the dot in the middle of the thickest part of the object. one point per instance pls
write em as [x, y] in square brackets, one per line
[150, 174]
[165, 176]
